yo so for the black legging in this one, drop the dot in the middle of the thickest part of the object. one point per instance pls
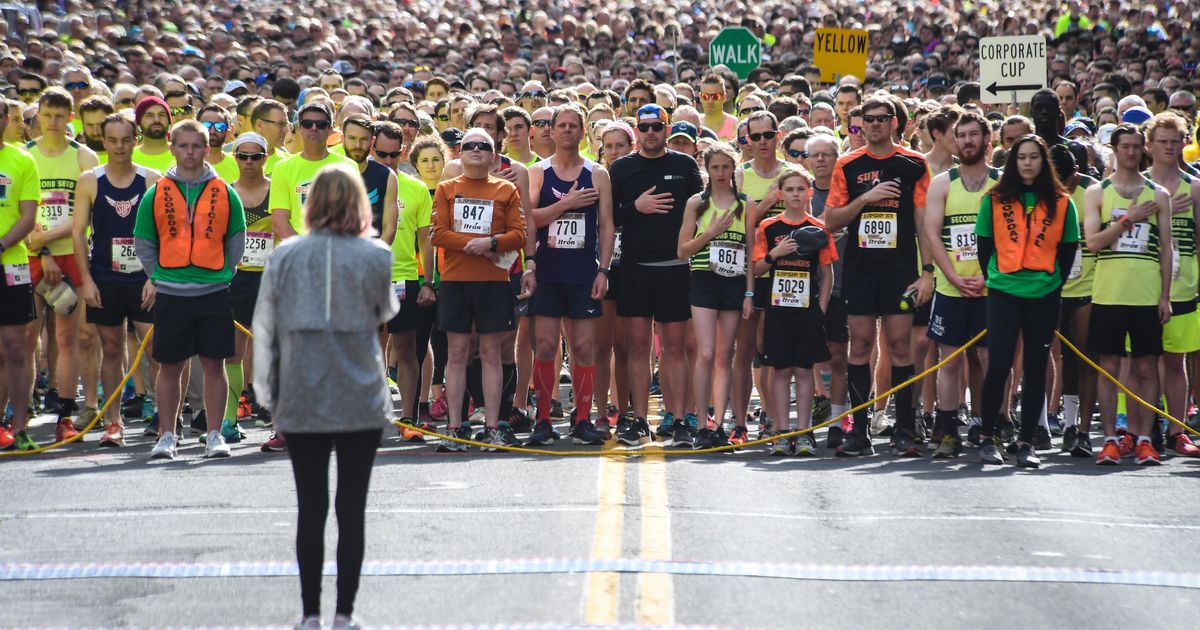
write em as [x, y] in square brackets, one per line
[310, 467]
[1035, 320]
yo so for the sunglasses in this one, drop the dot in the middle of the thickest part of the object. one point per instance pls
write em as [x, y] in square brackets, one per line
[533, 94]
[29, 92]
[80, 85]
[541, 123]
[420, 85]
[125, 101]
[749, 110]
[175, 94]
[874, 118]
[854, 129]
[180, 111]
[709, 96]
[768, 135]
[804, 112]
[443, 117]
[798, 154]
[249, 157]
[388, 155]
[317, 124]
[476, 146]
[220, 127]
[654, 126]
[404, 122]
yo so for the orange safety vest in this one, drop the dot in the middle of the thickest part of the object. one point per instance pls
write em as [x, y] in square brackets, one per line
[202, 241]
[1027, 240]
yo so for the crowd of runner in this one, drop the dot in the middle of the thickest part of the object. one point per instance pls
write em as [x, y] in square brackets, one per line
[578, 199]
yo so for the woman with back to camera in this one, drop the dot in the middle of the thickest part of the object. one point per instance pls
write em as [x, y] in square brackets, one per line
[318, 367]
[1028, 231]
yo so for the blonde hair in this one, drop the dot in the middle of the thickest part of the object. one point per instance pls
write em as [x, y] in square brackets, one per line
[337, 201]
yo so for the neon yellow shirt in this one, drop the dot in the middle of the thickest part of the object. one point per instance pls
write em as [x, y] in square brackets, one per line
[416, 209]
[290, 183]
[19, 182]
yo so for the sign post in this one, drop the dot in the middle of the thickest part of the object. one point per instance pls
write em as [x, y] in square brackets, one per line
[738, 49]
[1011, 68]
[839, 52]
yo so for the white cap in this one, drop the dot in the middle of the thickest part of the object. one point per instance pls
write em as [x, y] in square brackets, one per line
[250, 136]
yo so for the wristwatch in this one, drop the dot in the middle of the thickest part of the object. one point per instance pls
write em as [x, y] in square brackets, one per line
[769, 258]
[927, 268]
[495, 243]
[603, 270]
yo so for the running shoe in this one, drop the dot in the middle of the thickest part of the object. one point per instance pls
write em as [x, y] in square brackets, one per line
[780, 448]
[655, 387]
[1183, 446]
[973, 433]
[215, 446]
[1122, 421]
[989, 453]
[1110, 455]
[1027, 456]
[666, 426]
[1008, 427]
[584, 433]
[51, 403]
[231, 431]
[704, 438]
[520, 421]
[6, 438]
[923, 422]
[1069, 435]
[881, 423]
[1125, 443]
[1082, 446]
[604, 428]
[740, 435]
[492, 438]
[1145, 455]
[542, 435]
[439, 409]
[410, 435]
[835, 437]
[275, 443]
[133, 406]
[633, 432]
[948, 448]
[199, 423]
[805, 446]
[478, 416]
[64, 430]
[612, 413]
[681, 433]
[1056, 427]
[904, 444]
[114, 436]
[821, 408]
[463, 432]
[1158, 435]
[166, 447]
[507, 436]
[310, 622]
[855, 446]
[243, 410]
[23, 442]
[345, 622]
[556, 408]
[1041, 439]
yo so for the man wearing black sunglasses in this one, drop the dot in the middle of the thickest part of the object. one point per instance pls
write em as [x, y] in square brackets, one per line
[878, 193]
[78, 81]
[219, 124]
[292, 177]
[650, 189]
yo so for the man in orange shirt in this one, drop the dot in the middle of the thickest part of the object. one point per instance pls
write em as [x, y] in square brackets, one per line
[479, 225]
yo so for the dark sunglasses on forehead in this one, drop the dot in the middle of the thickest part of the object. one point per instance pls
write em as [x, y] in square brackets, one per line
[420, 85]
[317, 124]
[653, 126]
[249, 157]
[388, 155]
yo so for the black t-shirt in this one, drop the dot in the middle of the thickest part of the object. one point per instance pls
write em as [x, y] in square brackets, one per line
[890, 230]
[651, 238]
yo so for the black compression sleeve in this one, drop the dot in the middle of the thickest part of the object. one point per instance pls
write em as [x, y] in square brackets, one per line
[987, 247]
[1066, 259]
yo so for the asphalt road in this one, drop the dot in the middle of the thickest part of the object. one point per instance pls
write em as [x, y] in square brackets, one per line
[108, 538]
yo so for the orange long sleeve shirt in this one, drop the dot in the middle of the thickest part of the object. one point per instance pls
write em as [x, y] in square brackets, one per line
[465, 209]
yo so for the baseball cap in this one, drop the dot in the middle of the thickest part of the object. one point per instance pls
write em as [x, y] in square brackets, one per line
[233, 86]
[1136, 115]
[1104, 133]
[453, 137]
[652, 112]
[1076, 125]
[685, 129]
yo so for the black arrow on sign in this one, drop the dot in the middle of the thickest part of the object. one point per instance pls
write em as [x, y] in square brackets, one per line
[995, 89]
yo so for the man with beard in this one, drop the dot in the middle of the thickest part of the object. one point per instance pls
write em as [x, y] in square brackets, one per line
[959, 306]
[219, 124]
[92, 112]
[358, 135]
[153, 118]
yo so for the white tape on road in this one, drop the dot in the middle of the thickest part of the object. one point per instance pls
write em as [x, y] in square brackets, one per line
[18, 571]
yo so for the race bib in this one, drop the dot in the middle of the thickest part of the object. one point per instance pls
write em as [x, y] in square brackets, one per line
[616, 257]
[877, 230]
[1076, 266]
[259, 246]
[727, 259]
[1135, 240]
[963, 243]
[473, 216]
[17, 274]
[55, 210]
[400, 289]
[124, 259]
[567, 231]
[790, 289]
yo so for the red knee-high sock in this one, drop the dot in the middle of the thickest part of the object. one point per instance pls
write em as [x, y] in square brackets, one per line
[582, 379]
[545, 379]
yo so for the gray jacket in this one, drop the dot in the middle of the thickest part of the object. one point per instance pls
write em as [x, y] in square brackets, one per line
[318, 365]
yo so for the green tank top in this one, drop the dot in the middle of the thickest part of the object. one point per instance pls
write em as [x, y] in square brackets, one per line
[729, 246]
[58, 178]
[1185, 278]
[1127, 271]
[1083, 269]
[958, 230]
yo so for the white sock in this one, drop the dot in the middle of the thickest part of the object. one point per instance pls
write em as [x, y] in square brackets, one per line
[836, 410]
[1043, 419]
[1070, 410]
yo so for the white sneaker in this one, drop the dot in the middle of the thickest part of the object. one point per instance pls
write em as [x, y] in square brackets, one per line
[311, 622]
[215, 445]
[342, 622]
[165, 447]
[880, 421]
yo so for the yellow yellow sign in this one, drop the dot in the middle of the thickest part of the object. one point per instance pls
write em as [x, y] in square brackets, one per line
[839, 52]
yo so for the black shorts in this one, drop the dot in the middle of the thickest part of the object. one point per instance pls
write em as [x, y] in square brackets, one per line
[119, 301]
[921, 315]
[244, 290]
[1071, 304]
[762, 293]
[406, 320]
[523, 307]
[561, 299]
[837, 329]
[794, 340]
[1109, 324]
[476, 307]
[188, 326]
[653, 291]
[614, 283]
[16, 303]
[868, 291]
[955, 320]
[716, 292]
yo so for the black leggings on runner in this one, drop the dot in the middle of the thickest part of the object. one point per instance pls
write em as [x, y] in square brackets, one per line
[309, 453]
[1034, 320]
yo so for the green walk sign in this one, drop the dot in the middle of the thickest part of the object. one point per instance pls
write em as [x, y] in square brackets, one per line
[738, 49]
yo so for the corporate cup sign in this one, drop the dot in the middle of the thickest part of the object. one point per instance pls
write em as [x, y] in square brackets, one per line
[1011, 68]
